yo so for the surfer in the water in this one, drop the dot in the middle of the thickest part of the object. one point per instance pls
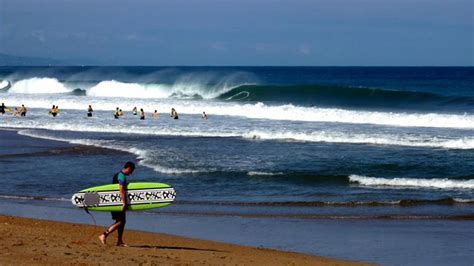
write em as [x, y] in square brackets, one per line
[23, 110]
[117, 113]
[89, 111]
[174, 114]
[3, 109]
[119, 217]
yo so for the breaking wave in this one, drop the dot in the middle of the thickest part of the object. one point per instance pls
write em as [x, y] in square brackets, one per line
[434, 183]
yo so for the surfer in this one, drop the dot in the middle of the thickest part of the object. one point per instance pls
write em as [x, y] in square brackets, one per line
[154, 115]
[15, 112]
[142, 114]
[53, 111]
[3, 109]
[119, 217]
[23, 110]
[117, 113]
[174, 114]
[204, 116]
[89, 111]
[134, 111]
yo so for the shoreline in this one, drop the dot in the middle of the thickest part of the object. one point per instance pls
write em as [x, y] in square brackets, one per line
[370, 240]
[32, 241]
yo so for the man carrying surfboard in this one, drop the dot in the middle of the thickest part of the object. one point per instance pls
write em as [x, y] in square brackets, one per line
[119, 217]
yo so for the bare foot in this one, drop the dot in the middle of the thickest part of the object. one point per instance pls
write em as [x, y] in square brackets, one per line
[122, 244]
[103, 239]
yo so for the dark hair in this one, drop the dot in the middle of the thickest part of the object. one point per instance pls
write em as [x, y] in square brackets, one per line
[129, 165]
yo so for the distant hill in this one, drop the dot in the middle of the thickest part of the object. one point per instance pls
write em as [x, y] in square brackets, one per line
[13, 60]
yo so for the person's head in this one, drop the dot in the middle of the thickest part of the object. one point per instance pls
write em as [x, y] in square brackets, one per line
[128, 168]
[90, 106]
[22, 105]
[141, 110]
[53, 106]
[120, 110]
[156, 111]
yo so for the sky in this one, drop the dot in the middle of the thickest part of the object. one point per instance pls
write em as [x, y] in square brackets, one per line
[242, 32]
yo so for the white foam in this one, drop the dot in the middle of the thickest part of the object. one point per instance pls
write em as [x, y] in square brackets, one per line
[37, 86]
[141, 154]
[241, 129]
[412, 182]
[3, 84]
[286, 112]
[112, 88]
[259, 173]
[361, 138]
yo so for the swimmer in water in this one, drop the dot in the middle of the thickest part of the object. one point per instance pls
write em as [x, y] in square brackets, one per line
[23, 110]
[154, 115]
[174, 114]
[89, 111]
[142, 114]
[204, 116]
[134, 111]
[117, 113]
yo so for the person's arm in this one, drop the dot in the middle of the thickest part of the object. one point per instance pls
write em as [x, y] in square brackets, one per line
[123, 195]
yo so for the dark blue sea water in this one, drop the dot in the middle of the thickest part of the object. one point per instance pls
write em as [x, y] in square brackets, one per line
[276, 135]
[301, 143]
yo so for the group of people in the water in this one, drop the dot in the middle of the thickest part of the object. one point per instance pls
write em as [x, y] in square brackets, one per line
[119, 113]
[54, 111]
[22, 111]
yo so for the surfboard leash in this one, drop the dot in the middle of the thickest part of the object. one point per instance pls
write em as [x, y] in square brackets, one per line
[94, 232]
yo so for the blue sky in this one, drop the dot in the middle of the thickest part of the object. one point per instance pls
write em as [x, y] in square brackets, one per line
[243, 32]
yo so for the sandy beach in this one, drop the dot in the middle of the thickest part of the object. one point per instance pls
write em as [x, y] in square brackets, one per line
[31, 241]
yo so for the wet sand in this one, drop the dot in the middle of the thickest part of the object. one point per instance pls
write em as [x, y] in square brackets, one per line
[30, 241]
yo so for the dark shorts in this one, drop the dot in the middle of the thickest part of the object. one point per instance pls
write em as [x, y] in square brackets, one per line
[119, 216]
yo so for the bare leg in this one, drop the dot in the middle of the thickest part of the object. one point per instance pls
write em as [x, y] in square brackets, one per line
[103, 237]
[120, 231]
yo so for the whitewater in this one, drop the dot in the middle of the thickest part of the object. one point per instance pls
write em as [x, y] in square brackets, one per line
[107, 95]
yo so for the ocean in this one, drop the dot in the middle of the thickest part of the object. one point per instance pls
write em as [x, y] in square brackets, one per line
[295, 142]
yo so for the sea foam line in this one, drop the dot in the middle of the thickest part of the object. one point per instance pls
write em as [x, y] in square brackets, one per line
[141, 154]
[285, 112]
[435, 183]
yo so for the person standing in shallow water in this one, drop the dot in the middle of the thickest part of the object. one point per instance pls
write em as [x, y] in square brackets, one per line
[89, 111]
[23, 110]
[119, 178]
[174, 114]
[117, 113]
[142, 114]
[3, 109]
[134, 111]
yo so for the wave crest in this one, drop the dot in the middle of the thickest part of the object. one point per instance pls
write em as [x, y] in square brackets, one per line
[434, 183]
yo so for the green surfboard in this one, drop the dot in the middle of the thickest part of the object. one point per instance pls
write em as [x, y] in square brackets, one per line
[140, 196]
